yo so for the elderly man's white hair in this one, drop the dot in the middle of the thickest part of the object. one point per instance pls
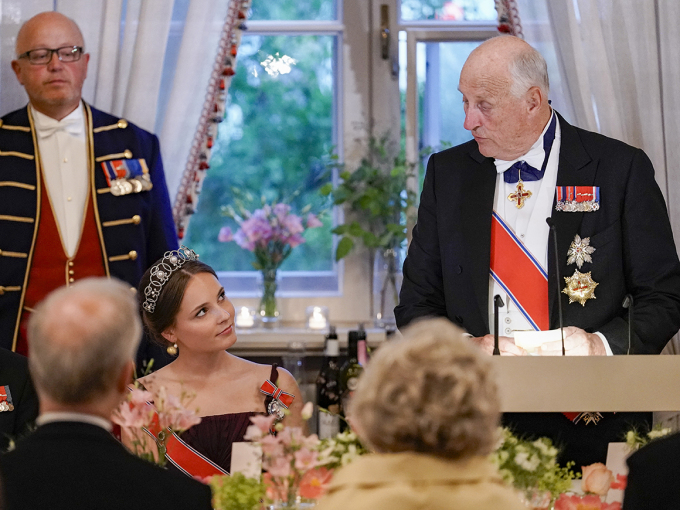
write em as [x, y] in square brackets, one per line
[529, 69]
[80, 339]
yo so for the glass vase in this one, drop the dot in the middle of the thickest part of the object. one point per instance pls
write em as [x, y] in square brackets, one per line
[269, 311]
[536, 499]
[387, 279]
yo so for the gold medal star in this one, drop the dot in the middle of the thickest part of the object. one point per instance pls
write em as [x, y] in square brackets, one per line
[580, 251]
[580, 287]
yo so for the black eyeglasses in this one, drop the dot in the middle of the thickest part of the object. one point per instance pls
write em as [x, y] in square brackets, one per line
[42, 56]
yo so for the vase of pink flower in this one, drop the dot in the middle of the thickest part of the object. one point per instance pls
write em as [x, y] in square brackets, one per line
[270, 233]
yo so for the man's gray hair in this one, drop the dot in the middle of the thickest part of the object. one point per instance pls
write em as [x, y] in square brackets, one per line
[528, 69]
[80, 338]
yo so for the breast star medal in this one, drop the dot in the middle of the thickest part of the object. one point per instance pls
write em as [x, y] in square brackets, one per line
[580, 251]
[580, 287]
[520, 195]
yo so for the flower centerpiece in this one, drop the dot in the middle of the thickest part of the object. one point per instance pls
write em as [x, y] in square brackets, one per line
[160, 413]
[595, 484]
[636, 439]
[531, 468]
[340, 450]
[270, 233]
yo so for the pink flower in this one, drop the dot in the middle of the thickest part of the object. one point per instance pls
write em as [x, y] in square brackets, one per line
[293, 224]
[264, 423]
[271, 446]
[295, 240]
[133, 416]
[242, 240]
[315, 482]
[278, 467]
[184, 420]
[305, 459]
[597, 479]
[257, 228]
[620, 482]
[281, 211]
[313, 221]
[589, 502]
[225, 235]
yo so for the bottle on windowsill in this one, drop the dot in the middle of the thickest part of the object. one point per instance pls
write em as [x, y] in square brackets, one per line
[328, 388]
[353, 367]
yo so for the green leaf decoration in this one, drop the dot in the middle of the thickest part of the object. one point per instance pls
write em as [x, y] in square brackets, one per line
[344, 247]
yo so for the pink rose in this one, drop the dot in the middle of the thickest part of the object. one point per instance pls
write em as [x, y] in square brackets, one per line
[313, 221]
[597, 479]
[225, 235]
[293, 224]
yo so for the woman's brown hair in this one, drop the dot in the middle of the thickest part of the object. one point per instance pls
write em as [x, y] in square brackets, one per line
[170, 297]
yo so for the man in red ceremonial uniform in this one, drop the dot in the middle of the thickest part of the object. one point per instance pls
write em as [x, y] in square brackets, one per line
[82, 193]
[482, 232]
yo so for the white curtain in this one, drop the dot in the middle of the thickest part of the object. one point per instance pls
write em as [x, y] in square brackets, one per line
[150, 61]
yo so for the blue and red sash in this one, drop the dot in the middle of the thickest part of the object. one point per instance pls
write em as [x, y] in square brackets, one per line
[519, 274]
[183, 456]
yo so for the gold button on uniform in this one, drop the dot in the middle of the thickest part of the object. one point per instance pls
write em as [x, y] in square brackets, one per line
[68, 198]
[70, 263]
[65, 160]
[136, 219]
[133, 255]
[71, 271]
[127, 153]
[71, 280]
[122, 123]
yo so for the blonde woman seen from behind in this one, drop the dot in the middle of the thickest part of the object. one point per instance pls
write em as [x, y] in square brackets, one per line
[428, 406]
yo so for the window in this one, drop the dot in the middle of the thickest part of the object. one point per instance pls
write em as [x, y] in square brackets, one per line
[281, 121]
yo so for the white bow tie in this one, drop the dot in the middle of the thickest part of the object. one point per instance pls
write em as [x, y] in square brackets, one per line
[73, 126]
[533, 158]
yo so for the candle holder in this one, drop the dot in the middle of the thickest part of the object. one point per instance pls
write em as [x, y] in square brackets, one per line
[316, 318]
[245, 317]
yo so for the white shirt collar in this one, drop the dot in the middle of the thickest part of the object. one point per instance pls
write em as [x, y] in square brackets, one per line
[534, 157]
[71, 416]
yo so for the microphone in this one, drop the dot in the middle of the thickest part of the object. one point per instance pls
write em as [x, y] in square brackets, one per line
[497, 303]
[628, 303]
[551, 224]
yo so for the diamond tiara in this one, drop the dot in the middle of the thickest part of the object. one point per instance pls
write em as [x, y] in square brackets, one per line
[161, 272]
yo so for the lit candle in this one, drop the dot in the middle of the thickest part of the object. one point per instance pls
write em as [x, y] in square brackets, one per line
[317, 320]
[244, 319]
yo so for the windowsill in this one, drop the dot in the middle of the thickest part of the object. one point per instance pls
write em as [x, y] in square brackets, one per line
[264, 342]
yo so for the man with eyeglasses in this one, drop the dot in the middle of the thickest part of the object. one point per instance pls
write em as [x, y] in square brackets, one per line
[82, 193]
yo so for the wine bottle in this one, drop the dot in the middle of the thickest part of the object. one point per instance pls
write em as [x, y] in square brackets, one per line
[328, 388]
[352, 369]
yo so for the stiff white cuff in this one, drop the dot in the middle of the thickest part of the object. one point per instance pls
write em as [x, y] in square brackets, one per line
[607, 349]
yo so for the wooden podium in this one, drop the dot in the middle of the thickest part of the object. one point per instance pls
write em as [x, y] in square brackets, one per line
[581, 383]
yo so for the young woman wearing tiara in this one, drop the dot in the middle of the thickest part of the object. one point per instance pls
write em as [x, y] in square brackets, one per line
[185, 308]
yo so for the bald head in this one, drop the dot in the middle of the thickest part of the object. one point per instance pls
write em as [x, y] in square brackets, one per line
[515, 60]
[47, 26]
[54, 88]
[504, 83]
[81, 337]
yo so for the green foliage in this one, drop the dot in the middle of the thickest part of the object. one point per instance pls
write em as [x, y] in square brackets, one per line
[236, 492]
[272, 142]
[378, 195]
[528, 464]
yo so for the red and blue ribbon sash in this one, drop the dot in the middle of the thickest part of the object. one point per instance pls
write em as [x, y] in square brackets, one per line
[116, 169]
[269, 388]
[183, 456]
[519, 274]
